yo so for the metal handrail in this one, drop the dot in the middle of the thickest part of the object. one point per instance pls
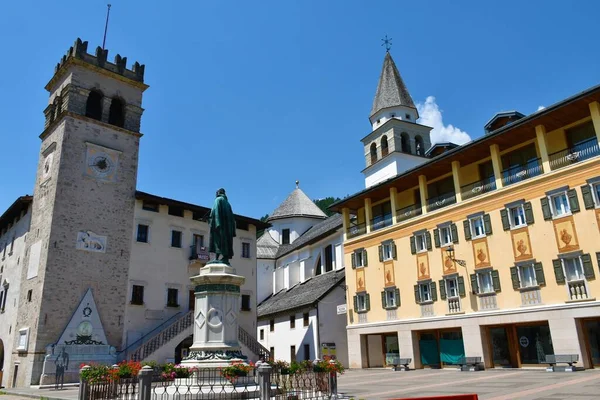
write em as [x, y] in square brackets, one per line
[443, 200]
[253, 344]
[479, 187]
[402, 214]
[357, 229]
[575, 154]
[522, 172]
[381, 221]
[137, 344]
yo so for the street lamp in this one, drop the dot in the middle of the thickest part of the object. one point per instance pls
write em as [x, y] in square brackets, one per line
[450, 254]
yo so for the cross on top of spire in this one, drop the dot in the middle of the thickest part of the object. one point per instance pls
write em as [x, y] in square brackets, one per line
[387, 42]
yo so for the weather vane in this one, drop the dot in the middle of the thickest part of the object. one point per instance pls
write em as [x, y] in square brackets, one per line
[387, 43]
[106, 25]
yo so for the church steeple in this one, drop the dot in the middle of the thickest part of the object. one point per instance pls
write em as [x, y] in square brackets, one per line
[392, 94]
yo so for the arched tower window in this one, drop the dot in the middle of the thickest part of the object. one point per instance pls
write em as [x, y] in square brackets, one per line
[373, 153]
[404, 142]
[116, 114]
[419, 145]
[57, 106]
[93, 106]
[384, 146]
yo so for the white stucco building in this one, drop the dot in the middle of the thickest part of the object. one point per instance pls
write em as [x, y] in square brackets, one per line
[301, 283]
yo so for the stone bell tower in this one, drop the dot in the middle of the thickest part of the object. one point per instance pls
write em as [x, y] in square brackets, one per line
[82, 219]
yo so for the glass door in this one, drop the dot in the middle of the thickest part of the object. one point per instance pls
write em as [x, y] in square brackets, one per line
[535, 343]
[392, 349]
[500, 347]
[592, 330]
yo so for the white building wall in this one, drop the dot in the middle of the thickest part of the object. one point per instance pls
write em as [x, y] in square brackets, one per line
[296, 225]
[400, 113]
[264, 279]
[392, 165]
[332, 327]
[11, 266]
[157, 266]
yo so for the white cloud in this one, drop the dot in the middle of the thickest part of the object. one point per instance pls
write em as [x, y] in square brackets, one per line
[540, 108]
[431, 115]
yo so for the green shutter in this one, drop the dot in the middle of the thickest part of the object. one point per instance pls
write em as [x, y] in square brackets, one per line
[368, 301]
[383, 303]
[573, 201]
[436, 237]
[504, 217]
[432, 287]
[353, 259]
[355, 304]
[474, 284]
[528, 213]
[413, 245]
[380, 249]
[487, 224]
[598, 259]
[496, 280]
[397, 297]
[539, 273]
[514, 275]
[588, 198]
[558, 271]
[417, 294]
[461, 286]
[467, 226]
[394, 251]
[588, 268]
[442, 289]
[428, 240]
[546, 209]
[454, 231]
[365, 260]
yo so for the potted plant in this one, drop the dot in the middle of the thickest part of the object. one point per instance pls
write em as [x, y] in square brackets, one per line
[235, 370]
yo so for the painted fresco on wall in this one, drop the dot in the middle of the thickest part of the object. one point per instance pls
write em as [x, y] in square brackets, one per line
[360, 280]
[388, 274]
[598, 218]
[521, 244]
[566, 236]
[423, 266]
[481, 254]
[448, 264]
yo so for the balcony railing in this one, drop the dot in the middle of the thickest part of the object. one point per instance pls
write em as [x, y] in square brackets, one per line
[476, 188]
[381, 221]
[441, 201]
[577, 290]
[572, 155]
[520, 173]
[454, 305]
[357, 230]
[409, 212]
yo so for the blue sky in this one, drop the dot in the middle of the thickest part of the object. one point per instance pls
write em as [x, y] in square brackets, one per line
[251, 96]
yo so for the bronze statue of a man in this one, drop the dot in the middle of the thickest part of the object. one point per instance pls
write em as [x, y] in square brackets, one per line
[222, 228]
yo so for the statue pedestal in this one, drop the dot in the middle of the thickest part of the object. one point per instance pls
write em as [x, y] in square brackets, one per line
[216, 345]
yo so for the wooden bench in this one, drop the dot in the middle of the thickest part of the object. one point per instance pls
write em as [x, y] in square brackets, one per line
[553, 359]
[399, 363]
[470, 364]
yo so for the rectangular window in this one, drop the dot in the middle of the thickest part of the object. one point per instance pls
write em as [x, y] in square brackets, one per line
[527, 276]
[176, 211]
[293, 353]
[198, 241]
[262, 334]
[451, 288]
[172, 297]
[12, 245]
[390, 298]
[485, 282]
[285, 236]
[150, 206]
[29, 295]
[387, 251]
[137, 295]
[596, 193]
[445, 235]
[421, 242]
[361, 302]
[272, 353]
[307, 351]
[359, 258]
[517, 216]
[245, 250]
[176, 239]
[424, 292]
[272, 325]
[573, 269]
[305, 319]
[246, 302]
[559, 204]
[292, 321]
[477, 226]
[142, 233]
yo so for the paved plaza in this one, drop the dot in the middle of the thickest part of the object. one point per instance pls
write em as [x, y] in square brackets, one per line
[494, 384]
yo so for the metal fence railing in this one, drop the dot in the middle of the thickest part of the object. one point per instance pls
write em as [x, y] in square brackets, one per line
[477, 188]
[572, 155]
[519, 173]
[443, 200]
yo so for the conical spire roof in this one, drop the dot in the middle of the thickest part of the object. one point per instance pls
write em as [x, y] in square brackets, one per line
[297, 204]
[391, 91]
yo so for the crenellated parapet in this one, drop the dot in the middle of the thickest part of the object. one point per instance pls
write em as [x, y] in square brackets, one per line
[118, 66]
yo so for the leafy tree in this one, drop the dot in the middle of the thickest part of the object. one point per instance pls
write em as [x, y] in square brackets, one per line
[326, 202]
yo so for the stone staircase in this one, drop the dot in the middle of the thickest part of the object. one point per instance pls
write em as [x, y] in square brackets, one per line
[176, 329]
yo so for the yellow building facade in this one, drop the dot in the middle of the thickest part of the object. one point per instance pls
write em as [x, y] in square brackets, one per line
[490, 249]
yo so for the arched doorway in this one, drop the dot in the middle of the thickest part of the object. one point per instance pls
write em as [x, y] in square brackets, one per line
[183, 349]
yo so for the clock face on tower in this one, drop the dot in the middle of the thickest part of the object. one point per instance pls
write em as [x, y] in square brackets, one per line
[101, 162]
